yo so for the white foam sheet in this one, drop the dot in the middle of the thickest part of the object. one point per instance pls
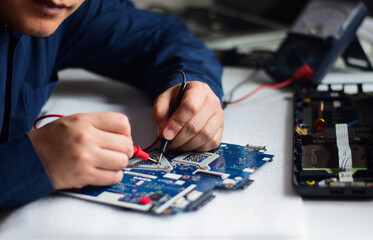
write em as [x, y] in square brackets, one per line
[268, 209]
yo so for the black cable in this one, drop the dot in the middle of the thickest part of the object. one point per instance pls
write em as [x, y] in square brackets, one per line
[230, 94]
[165, 142]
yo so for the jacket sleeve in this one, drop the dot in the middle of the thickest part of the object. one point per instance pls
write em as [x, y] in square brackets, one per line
[21, 180]
[114, 39]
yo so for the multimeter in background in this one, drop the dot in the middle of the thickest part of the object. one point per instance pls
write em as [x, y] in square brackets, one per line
[332, 155]
[325, 30]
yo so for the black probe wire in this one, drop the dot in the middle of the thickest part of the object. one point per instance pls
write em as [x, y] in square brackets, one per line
[231, 93]
[165, 142]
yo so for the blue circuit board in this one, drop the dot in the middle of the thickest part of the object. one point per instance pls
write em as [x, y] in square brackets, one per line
[181, 182]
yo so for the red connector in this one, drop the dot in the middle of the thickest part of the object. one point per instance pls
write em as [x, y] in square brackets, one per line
[138, 152]
[305, 72]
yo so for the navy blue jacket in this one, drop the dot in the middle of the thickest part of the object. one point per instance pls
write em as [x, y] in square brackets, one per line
[108, 37]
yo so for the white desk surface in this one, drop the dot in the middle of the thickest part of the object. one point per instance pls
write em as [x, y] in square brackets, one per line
[268, 209]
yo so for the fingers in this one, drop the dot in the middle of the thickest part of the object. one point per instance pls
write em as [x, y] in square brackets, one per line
[107, 150]
[114, 142]
[200, 129]
[212, 144]
[106, 147]
[91, 176]
[82, 149]
[103, 177]
[90, 167]
[197, 123]
[189, 108]
[110, 160]
[106, 121]
[190, 105]
[162, 108]
[206, 138]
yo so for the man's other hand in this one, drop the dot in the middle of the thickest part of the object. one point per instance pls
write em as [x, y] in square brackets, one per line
[84, 149]
[198, 122]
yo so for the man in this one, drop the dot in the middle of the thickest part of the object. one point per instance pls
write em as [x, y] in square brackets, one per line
[111, 38]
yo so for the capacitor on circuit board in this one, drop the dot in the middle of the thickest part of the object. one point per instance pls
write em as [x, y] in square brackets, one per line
[320, 124]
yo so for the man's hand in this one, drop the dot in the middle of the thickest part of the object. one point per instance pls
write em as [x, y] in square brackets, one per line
[84, 149]
[198, 122]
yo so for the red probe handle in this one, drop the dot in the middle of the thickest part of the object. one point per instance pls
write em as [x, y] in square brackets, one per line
[137, 152]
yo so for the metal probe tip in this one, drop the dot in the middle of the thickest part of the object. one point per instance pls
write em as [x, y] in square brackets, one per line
[152, 160]
[160, 157]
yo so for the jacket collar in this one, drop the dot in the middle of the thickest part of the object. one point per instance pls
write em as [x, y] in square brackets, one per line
[6, 29]
[3, 28]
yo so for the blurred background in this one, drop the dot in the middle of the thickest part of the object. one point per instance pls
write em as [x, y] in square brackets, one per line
[235, 28]
[211, 19]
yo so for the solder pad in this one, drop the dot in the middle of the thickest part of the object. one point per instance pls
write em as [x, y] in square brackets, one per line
[201, 160]
[137, 163]
[179, 183]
